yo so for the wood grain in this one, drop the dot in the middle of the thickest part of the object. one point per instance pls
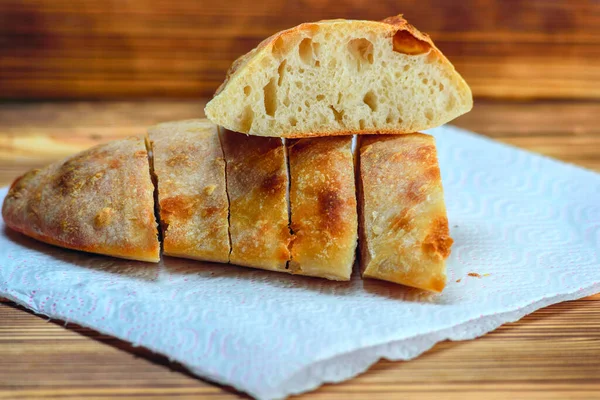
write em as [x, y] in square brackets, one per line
[140, 48]
[35, 134]
[553, 353]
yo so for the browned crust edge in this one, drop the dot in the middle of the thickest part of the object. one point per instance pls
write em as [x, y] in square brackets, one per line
[88, 249]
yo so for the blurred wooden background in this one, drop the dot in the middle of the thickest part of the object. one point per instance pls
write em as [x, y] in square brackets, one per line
[89, 49]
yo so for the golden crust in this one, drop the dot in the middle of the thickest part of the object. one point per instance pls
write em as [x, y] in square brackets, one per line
[189, 168]
[404, 235]
[99, 201]
[257, 187]
[323, 207]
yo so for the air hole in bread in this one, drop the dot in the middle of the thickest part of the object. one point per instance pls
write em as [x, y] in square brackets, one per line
[425, 81]
[399, 108]
[270, 97]
[246, 119]
[247, 90]
[293, 121]
[305, 50]
[404, 42]
[278, 46]
[406, 67]
[451, 103]
[429, 114]
[286, 101]
[281, 72]
[338, 115]
[389, 119]
[361, 124]
[298, 84]
[317, 63]
[307, 103]
[432, 58]
[370, 99]
[441, 87]
[320, 97]
[362, 50]
[316, 48]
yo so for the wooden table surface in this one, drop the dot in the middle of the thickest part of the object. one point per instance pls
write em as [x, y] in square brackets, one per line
[80, 49]
[553, 353]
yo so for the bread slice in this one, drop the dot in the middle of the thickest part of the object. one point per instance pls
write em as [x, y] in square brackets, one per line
[100, 201]
[404, 236]
[323, 207]
[257, 185]
[189, 169]
[341, 77]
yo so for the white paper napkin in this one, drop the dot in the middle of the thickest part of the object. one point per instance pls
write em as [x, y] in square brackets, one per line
[528, 225]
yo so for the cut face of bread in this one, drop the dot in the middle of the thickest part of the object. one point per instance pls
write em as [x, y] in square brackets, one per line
[323, 207]
[257, 184]
[100, 201]
[341, 77]
[192, 200]
[404, 236]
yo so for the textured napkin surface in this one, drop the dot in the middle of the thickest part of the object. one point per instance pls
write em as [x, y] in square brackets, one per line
[528, 225]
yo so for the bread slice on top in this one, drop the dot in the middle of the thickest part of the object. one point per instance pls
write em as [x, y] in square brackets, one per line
[404, 235]
[189, 168]
[100, 201]
[257, 183]
[323, 207]
[341, 77]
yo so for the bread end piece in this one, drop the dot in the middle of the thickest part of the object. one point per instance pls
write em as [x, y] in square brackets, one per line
[296, 83]
[404, 235]
[98, 201]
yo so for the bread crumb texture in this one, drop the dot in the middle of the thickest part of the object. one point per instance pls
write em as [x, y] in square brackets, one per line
[341, 77]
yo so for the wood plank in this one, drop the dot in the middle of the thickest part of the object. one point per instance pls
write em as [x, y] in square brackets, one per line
[62, 49]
